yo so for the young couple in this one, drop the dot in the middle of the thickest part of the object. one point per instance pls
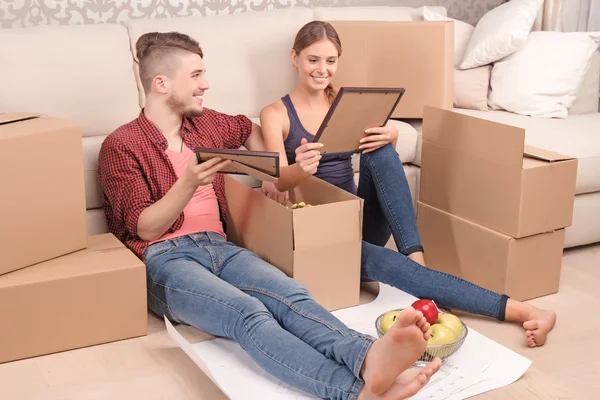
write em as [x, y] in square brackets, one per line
[170, 212]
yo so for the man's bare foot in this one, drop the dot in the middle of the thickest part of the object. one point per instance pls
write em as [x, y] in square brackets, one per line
[538, 326]
[407, 384]
[395, 352]
[536, 322]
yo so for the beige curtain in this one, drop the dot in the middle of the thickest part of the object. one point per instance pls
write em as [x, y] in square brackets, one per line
[549, 18]
[581, 15]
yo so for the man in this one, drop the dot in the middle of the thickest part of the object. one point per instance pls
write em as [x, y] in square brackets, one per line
[170, 211]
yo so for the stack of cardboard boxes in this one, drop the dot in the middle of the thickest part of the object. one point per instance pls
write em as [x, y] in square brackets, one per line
[59, 288]
[492, 210]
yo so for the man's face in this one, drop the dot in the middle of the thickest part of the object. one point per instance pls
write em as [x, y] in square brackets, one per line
[187, 87]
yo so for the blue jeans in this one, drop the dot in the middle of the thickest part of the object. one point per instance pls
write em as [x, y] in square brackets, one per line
[388, 209]
[227, 291]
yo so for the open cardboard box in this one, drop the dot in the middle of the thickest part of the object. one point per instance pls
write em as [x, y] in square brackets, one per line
[415, 55]
[522, 268]
[41, 175]
[320, 246]
[88, 297]
[483, 172]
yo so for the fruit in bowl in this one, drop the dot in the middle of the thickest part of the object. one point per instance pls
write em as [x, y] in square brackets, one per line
[388, 319]
[440, 334]
[451, 322]
[428, 308]
[447, 334]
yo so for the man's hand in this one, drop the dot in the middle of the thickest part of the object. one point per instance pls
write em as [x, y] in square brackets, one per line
[308, 156]
[271, 192]
[378, 137]
[202, 174]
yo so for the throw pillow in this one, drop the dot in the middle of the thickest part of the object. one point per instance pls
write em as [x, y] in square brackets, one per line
[471, 87]
[462, 32]
[586, 101]
[543, 78]
[501, 32]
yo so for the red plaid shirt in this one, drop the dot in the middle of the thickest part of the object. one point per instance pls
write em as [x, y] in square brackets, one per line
[135, 171]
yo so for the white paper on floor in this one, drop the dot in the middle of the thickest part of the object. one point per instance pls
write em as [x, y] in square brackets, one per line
[478, 366]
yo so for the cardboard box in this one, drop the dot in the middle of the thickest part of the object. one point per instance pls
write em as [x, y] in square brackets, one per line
[320, 246]
[43, 193]
[482, 171]
[417, 56]
[89, 297]
[522, 268]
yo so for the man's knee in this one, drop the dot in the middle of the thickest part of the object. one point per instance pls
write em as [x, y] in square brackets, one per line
[252, 312]
[296, 292]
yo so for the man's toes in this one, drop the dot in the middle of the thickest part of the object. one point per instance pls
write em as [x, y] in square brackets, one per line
[406, 317]
[419, 316]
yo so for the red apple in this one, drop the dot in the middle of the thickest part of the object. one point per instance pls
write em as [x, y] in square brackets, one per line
[428, 308]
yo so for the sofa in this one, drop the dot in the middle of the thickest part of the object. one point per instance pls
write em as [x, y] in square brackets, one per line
[87, 73]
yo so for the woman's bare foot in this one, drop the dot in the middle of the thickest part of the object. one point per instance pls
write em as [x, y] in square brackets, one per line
[537, 323]
[395, 352]
[407, 384]
[537, 328]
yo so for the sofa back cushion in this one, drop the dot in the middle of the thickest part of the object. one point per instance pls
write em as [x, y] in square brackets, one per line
[82, 73]
[589, 95]
[374, 13]
[246, 55]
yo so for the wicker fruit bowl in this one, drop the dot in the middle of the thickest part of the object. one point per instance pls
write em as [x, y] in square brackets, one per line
[443, 351]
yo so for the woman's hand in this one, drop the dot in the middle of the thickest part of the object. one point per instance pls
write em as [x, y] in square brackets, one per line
[379, 137]
[308, 156]
[271, 192]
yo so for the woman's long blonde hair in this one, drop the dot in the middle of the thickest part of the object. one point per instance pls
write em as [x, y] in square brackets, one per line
[313, 32]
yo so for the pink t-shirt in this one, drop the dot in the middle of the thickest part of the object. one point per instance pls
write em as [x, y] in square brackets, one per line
[202, 212]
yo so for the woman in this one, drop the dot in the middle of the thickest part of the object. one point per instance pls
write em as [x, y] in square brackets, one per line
[288, 127]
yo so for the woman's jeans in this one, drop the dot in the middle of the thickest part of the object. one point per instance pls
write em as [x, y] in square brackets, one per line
[388, 209]
[204, 281]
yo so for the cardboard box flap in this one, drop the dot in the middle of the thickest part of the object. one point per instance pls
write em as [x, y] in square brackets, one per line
[476, 137]
[310, 231]
[84, 262]
[12, 117]
[544, 155]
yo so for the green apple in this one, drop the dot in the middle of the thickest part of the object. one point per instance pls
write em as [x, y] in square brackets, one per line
[440, 334]
[452, 322]
[388, 319]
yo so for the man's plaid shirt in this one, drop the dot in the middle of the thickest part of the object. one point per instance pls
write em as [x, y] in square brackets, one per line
[135, 171]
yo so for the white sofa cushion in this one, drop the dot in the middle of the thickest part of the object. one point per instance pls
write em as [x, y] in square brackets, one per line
[376, 13]
[587, 98]
[82, 73]
[500, 32]
[576, 136]
[93, 192]
[247, 55]
[543, 78]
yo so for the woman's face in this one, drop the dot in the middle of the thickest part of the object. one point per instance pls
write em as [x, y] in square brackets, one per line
[317, 64]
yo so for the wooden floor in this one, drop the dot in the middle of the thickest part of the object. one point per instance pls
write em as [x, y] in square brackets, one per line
[152, 367]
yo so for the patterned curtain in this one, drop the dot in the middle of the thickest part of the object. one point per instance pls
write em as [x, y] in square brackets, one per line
[26, 13]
